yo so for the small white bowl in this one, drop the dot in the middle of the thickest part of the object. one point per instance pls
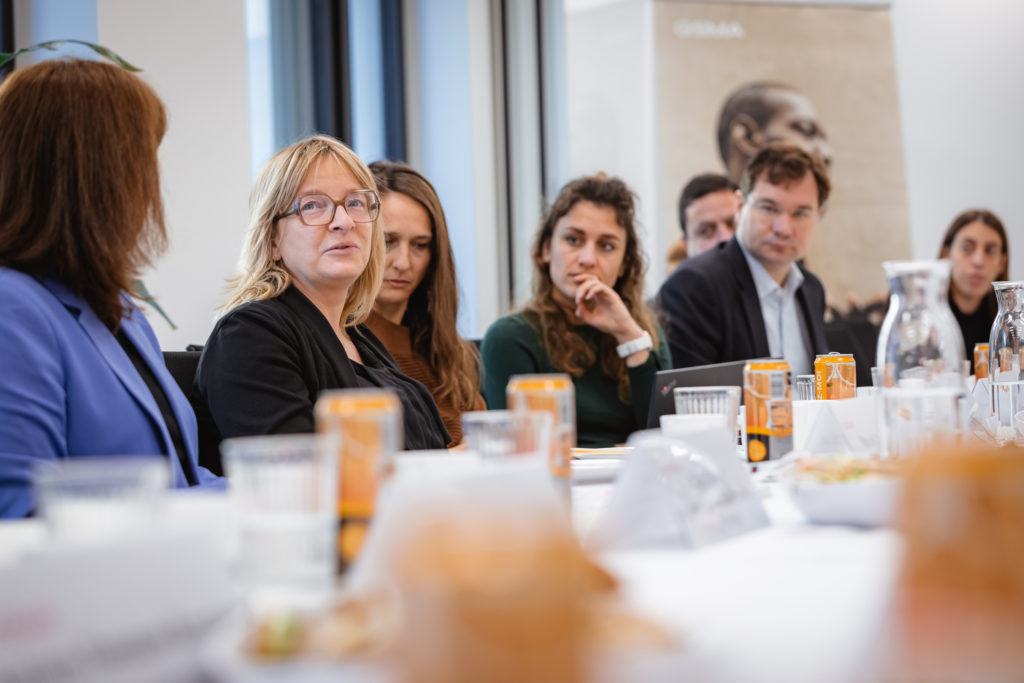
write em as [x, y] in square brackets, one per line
[869, 502]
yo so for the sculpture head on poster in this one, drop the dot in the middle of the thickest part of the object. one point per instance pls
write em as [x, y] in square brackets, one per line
[761, 112]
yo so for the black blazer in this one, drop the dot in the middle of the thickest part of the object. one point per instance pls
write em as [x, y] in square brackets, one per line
[711, 312]
[267, 361]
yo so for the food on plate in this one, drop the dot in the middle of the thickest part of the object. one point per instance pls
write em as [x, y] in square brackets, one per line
[277, 635]
[845, 468]
[355, 626]
[506, 596]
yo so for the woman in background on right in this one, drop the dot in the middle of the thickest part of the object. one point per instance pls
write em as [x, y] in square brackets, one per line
[977, 246]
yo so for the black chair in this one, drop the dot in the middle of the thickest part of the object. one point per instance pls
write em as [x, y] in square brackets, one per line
[182, 365]
[856, 333]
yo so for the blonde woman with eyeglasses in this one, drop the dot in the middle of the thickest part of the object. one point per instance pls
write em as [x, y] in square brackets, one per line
[312, 264]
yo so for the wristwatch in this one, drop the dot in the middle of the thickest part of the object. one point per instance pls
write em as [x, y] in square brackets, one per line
[633, 345]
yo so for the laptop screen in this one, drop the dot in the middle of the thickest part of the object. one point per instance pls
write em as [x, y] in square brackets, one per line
[717, 374]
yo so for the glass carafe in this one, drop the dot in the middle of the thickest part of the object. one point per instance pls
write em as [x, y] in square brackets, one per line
[1006, 358]
[920, 353]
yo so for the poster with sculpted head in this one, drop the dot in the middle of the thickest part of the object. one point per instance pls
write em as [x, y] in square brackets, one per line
[661, 91]
[731, 77]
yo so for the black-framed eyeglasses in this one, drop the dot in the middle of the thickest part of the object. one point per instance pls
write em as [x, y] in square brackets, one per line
[362, 206]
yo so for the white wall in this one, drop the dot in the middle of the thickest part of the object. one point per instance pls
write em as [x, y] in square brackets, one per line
[959, 66]
[193, 53]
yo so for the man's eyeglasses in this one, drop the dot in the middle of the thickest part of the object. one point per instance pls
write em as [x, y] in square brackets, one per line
[772, 211]
[362, 206]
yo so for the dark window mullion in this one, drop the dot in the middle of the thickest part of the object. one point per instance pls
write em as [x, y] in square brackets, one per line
[541, 96]
[6, 33]
[393, 86]
[331, 68]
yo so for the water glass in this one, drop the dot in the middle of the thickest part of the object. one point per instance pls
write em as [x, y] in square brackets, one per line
[804, 387]
[916, 414]
[709, 401]
[285, 490]
[96, 499]
[703, 409]
[499, 434]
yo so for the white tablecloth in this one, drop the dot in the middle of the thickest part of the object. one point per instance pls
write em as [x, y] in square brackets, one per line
[792, 602]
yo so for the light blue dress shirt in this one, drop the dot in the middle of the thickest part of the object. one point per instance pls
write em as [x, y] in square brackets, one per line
[786, 328]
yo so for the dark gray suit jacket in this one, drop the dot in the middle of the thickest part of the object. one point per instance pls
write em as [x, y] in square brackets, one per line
[711, 312]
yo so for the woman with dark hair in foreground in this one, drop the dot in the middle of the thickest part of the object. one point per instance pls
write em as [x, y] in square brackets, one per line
[81, 372]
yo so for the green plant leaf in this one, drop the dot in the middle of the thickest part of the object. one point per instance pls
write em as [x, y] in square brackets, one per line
[53, 45]
[142, 292]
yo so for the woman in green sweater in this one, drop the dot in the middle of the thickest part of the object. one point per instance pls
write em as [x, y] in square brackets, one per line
[587, 316]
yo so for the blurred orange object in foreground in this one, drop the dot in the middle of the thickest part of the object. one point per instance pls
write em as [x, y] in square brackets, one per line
[960, 600]
[494, 598]
[370, 424]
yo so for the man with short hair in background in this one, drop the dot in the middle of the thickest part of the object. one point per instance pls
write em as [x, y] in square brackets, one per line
[707, 212]
[707, 216]
[749, 297]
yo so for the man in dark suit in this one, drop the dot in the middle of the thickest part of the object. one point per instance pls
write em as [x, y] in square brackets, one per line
[750, 297]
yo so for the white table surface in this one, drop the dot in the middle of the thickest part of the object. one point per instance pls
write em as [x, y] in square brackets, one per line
[792, 602]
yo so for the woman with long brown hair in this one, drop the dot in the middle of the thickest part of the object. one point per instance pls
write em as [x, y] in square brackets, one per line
[418, 304]
[976, 244]
[81, 371]
[587, 316]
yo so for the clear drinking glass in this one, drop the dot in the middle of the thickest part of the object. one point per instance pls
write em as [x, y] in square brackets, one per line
[498, 434]
[705, 416]
[804, 387]
[284, 490]
[554, 394]
[1006, 357]
[920, 350]
[94, 499]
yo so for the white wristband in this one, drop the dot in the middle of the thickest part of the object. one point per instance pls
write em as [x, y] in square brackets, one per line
[633, 345]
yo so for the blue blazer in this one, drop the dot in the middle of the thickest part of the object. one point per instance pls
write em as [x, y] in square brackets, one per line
[68, 389]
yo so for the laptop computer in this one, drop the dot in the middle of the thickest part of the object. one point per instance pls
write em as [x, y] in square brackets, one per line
[714, 375]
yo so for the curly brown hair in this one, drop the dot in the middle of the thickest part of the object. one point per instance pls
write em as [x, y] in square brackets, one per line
[568, 350]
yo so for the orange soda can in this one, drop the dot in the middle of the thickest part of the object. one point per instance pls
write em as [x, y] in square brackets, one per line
[369, 424]
[835, 376]
[980, 361]
[768, 397]
[554, 394]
